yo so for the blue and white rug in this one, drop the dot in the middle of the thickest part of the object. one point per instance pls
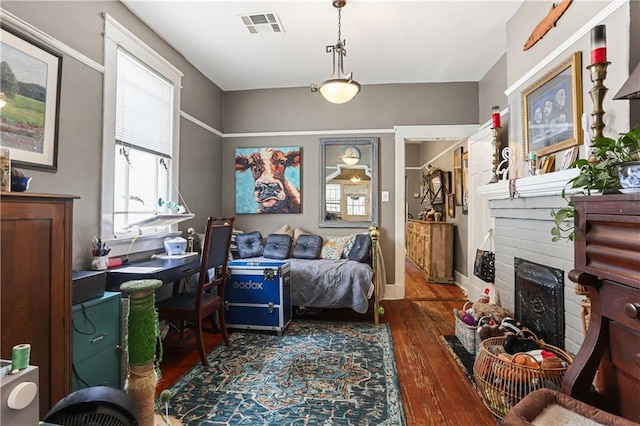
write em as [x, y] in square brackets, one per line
[316, 373]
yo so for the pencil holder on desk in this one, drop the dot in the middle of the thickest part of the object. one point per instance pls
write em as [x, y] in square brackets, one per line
[100, 263]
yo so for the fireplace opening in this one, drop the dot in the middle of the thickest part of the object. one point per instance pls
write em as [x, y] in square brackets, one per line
[539, 304]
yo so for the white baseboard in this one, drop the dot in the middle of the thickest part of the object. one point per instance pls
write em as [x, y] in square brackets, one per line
[393, 292]
[461, 281]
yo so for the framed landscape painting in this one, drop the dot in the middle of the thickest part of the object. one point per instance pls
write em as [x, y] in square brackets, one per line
[29, 101]
[552, 109]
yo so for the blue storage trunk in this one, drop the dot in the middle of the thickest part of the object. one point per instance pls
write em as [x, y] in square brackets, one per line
[258, 295]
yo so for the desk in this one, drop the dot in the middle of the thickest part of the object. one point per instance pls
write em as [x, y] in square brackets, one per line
[165, 270]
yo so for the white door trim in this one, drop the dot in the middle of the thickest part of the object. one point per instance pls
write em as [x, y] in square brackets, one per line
[404, 134]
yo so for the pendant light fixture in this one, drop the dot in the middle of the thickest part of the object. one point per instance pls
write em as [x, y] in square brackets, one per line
[351, 155]
[340, 88]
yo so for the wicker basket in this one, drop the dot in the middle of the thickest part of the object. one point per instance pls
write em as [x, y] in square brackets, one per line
[465, 333]
[503, 384]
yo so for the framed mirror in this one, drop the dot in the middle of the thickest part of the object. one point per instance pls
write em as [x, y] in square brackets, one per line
[436, 187]
[349, 182]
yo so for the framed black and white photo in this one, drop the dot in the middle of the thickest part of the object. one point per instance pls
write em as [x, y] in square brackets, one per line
[552, 109]
[29, 101]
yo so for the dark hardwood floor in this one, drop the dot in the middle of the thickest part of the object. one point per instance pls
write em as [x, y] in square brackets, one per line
[435, 391]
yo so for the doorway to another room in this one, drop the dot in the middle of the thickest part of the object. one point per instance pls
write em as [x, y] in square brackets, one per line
[403, 136]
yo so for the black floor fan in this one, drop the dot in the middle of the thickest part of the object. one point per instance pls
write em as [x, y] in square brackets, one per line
[94, 406]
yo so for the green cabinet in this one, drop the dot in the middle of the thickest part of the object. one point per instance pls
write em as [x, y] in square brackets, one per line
[96, 342]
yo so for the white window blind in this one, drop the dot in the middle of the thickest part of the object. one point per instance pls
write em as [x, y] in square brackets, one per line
[144, 107]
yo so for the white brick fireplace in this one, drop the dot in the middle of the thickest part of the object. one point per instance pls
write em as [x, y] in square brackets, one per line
[523, 225]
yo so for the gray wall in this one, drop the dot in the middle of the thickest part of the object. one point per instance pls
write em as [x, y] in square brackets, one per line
[376, 107]
[80, 25]
[523, 22]
[491, 89]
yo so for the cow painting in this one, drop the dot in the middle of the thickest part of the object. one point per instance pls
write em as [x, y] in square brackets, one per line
[268, 180]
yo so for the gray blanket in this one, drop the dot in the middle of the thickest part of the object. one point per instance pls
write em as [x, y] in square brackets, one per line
[327, 283]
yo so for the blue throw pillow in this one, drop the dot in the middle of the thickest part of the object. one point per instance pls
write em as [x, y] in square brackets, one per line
[308, 247]
[249, 244]
[278, 246]
[361, 248]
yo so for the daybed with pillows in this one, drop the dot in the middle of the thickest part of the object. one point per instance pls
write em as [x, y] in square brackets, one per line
[329, 272]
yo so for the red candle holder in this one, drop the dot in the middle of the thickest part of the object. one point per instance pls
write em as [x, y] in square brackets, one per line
[495, 116]
[599, 44]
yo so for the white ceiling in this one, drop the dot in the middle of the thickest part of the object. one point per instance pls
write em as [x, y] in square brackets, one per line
[389, 41]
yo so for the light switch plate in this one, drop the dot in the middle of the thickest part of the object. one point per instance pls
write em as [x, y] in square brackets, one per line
[385, 196]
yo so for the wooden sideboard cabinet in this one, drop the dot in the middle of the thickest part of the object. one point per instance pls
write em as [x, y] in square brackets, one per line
[35, 242]
[430, 248]
[607, 262]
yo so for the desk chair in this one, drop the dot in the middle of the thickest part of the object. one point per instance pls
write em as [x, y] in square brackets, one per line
[208, 299]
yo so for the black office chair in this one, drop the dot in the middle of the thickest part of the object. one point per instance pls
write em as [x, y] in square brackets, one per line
[188, 307]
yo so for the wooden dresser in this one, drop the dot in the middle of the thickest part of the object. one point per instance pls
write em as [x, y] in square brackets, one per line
[36, 237]
[607, 261]
[430, 248]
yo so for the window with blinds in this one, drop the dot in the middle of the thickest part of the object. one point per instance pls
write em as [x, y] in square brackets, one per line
[144, 106]
[143, 145]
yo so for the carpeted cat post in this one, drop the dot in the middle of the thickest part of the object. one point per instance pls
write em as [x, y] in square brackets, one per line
[142, 339]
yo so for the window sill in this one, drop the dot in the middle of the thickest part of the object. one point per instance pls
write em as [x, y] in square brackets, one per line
[138, 243]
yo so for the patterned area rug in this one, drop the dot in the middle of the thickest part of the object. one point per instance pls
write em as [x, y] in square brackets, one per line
[316, 373]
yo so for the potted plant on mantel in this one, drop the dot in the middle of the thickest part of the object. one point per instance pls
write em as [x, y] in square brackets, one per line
[614, 166]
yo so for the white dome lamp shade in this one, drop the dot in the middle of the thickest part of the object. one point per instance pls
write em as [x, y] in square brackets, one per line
[339, 90]
[341, 87]
[351, 156]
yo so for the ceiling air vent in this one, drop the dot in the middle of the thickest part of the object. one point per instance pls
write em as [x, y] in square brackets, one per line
[262, 23]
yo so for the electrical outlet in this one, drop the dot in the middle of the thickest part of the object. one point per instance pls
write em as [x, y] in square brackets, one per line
[385, 196]
[416, 195]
